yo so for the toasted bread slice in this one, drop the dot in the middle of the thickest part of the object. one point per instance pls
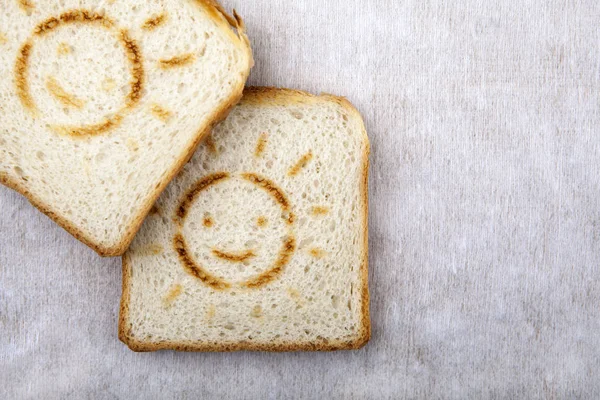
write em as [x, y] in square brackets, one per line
[260, 243]
[102, 104]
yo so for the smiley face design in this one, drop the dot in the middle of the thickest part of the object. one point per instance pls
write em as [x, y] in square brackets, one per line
[214, 251]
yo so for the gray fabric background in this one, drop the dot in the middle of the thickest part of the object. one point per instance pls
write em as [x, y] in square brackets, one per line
[484, 227]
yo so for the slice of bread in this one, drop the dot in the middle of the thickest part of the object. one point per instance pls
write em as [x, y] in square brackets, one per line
[260, 243]
[102, 103]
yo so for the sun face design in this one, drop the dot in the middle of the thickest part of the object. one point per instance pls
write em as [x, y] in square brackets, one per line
[246, 241]
[60, 103]
[241, 252]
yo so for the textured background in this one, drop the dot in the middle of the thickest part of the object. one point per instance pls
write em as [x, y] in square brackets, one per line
[484, 119]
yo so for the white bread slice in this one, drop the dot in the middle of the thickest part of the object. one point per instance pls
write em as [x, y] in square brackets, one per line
[103, 102]
[260, 243]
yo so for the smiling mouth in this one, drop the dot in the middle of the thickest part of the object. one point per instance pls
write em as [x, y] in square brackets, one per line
[239, 256]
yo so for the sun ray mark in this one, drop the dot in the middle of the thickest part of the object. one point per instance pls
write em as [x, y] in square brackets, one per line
[154, 22]
[174, 292]
[261, 144]
[317, 252]
[177, 61]
[3, 39]
[160, 112]
[210, 144]
[319, 210]
[63, 49]
[61, 95]
[301, 163]
[26, 5]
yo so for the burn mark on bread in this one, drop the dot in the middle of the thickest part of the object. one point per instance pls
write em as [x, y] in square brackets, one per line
[63, 49]
[317, 252]
[160, 112]
[61, 95]
[261, 221]
[21, 81]
[155, 21]
[177, 61]
[72, 16]
[301, 163]
[261, 144]
[155, 210]
[210, 144]
[270, 187]
[89, 130]
[3, 39]
[233, 256]
[285, 254]
[195, 269]
[172, 294]
[26, 5]
[319, 210]
[207, 222]
[137, 68]
[199, 186]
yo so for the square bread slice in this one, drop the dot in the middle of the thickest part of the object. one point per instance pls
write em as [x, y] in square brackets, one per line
[102, 103]
[260, 243]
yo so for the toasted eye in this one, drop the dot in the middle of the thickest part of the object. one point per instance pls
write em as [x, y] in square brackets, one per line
[261, 221]
[207, 222]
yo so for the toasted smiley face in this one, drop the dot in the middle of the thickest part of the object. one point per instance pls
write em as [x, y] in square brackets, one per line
[226, 244]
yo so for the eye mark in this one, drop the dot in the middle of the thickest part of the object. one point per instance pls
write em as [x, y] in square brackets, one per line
[261, 221]
[210, 144]
[63, 49]
[108, 84]
[26, 5]
[261, 144]
[319, 210]
[177, 61]
[301, 163]
[207, 222]
[317, 252]
[160, 112]
[155, 21]
[172, 294]
[60, 94]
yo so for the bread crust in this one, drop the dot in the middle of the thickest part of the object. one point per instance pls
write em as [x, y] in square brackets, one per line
[271, 95]
[226, 22]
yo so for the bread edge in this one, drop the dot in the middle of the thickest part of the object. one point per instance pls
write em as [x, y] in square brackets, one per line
[225, 21]
[271, 95]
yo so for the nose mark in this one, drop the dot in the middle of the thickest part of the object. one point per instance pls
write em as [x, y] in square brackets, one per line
[234, 256]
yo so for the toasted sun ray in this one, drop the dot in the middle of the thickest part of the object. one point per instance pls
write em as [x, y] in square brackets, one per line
[60, 94]
[177, 61]
[26, 5]
[63, 49]
[3, 39]
[160, 112]
[261, 144]
[301, 163]
[210, 144]
[234, 256]
[172, 294]
[154, 22]
[319, 210]
[317, 252]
